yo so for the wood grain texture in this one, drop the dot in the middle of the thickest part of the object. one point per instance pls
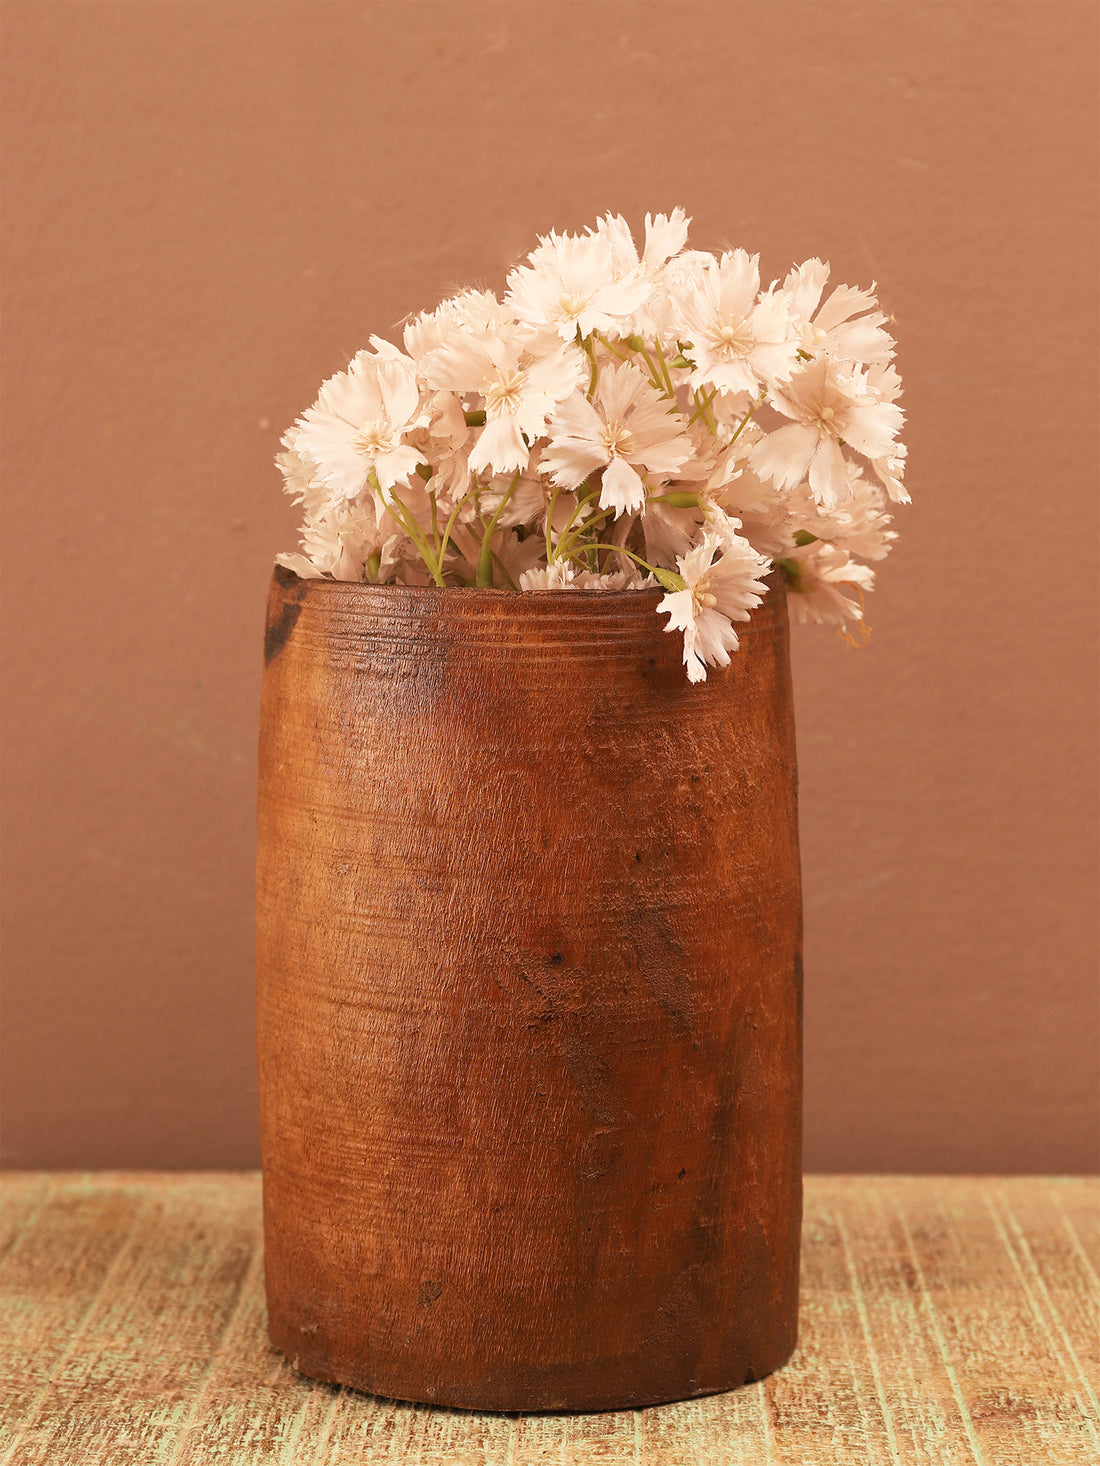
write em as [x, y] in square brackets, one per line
[530, 986]
[943, 1321]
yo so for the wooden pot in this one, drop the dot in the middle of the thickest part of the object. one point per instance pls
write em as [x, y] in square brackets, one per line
[529, 997]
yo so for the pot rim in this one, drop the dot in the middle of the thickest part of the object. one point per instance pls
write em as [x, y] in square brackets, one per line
[284, 576]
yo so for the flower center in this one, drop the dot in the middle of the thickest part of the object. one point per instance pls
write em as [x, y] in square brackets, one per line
[504, 395]
[730, 341]
[571, 305]
[617, 439]
[702, 599]
[374, 437]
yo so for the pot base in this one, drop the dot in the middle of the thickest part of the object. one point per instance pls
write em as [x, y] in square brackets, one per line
[618, 1385]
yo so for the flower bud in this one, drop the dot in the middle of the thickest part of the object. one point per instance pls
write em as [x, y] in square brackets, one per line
[670, 580]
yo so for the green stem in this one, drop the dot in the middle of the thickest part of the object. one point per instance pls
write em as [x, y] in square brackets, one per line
[594, 375]
[447, 531]
[668, 578]
[654, 375]
[793, 571]
[742, 424]
[504, 571]
[485, 558]
[408, 523]
[549, 517]
[581, 504]
[566, 546]
[670, 389]
[435, 522]
[679, 500]
[702, 403]
[614, 350]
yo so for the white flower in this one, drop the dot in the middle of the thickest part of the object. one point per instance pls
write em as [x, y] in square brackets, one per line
[609, 580]
[300, 477]
[842, 328]
[858, 525]
[818, 576]
[559, 576]
[739, 342]
[475, 313]
[339, 543]
[626, 427]
[889, 471]
[508, 432]
[827, 406]
[520, 391]
[357, 425]
[445, 445]
[665, 237]
[571, 283]
[716, 592]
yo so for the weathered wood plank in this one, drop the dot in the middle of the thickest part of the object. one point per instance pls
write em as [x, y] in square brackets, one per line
[945, 1321]
[828, 1403]
[923, 1419]
[1020, 1403]
[51, 1280]
[1076, 1201]
[1061, 1273]
[23, 1198]
[142, 1349]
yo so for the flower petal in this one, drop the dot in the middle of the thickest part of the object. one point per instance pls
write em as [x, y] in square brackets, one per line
[622, 488]
[784, 456]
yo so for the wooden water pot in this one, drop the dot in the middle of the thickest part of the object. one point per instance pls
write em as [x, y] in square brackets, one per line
[529, 997]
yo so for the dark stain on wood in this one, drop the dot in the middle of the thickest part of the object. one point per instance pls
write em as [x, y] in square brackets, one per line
[281, 618]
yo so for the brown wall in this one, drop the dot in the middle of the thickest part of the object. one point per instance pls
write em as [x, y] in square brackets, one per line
[210, 206]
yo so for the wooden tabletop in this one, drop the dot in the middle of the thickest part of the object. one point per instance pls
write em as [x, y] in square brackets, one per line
[944, 1320]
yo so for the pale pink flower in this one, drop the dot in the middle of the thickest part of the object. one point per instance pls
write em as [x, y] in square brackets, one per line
[572, 284]
[515, 556]
[715, 593]
[629, 579]
[338, 543]
[300, 479]
[859, 524]
[519, 502]
[848, 326]
[531, 420]
[358, 423]
[626, 429]
[558, 576]
[822, 573]
[828, 407]
[475, 313]
[665, 237]
[740, 340]
[889, 471]
[519, 390]
[445, 445]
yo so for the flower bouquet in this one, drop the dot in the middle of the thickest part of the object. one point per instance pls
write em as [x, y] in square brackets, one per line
[623, 419]
[528, 902]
